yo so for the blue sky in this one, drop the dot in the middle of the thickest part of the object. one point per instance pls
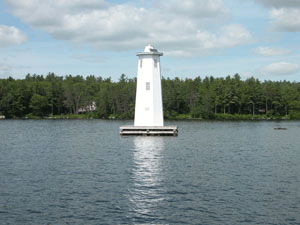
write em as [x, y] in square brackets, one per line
[258, 38]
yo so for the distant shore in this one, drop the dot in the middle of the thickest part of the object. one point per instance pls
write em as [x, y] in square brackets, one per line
[214, 117]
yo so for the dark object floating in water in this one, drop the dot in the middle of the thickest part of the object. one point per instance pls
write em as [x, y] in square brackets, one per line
[280, 128]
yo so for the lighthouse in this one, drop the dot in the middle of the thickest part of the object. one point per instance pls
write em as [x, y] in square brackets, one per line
[148, 103]
[148, 116]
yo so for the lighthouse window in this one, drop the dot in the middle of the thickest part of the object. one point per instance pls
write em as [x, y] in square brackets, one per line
[155, 62]
[141, 63]
[147, 86]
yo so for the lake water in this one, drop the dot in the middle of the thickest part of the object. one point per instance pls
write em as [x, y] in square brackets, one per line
[83, 172]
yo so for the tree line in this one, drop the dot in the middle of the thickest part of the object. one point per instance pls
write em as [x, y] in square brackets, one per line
[209, 98]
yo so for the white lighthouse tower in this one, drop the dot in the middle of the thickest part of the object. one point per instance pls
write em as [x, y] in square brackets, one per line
[148, 117]
[148, 104]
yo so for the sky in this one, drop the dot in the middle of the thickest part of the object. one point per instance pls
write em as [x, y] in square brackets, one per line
[258, 38]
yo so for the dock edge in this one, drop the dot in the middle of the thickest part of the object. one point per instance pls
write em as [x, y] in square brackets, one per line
[149, 131]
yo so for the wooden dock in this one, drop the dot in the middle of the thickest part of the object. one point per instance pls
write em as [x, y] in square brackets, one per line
[149, 131]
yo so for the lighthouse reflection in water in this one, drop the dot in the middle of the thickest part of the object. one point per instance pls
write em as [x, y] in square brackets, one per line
[147, 193]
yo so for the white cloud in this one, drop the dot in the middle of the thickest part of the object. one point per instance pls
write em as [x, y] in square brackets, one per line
[196, 8]
[8, 67]
[234, 35]
[5, 67]
[89, 58]
[279, 3]
[267, 51]
[246, 75]
[281, 68]
[284, 14]
[285, 19]
[11, 36]
[205, 42]
[180, 28]
[87, 4]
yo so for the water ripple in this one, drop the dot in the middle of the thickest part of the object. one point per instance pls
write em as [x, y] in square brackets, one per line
[52, 172]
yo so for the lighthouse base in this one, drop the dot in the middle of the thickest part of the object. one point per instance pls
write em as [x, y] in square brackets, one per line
[149, 131]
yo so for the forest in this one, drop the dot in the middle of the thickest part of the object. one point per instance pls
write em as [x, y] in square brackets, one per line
[38, 96]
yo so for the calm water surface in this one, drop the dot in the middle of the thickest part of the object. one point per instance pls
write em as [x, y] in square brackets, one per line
[83, 172]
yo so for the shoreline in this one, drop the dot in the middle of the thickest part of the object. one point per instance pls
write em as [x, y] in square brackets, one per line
[166, 119]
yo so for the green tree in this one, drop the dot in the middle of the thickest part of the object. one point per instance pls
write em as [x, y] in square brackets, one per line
[39, 105]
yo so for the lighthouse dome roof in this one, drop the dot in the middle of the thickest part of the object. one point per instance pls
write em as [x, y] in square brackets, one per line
[150, 48]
